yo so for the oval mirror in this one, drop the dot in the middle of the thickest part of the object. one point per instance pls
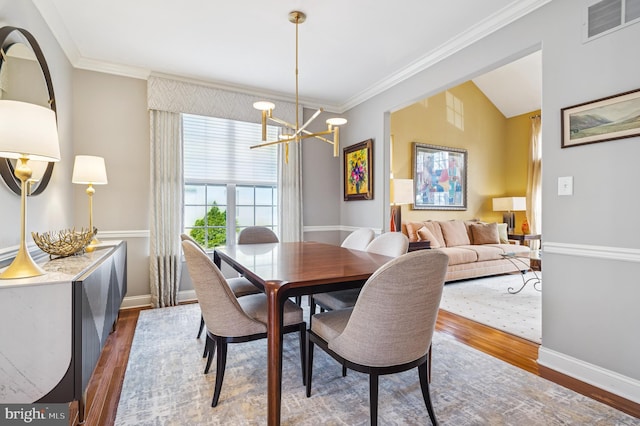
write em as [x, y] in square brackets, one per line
[24, 76]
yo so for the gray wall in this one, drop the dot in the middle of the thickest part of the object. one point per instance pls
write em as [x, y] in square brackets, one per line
[591, 260]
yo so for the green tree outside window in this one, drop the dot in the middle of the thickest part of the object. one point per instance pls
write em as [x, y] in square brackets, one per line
[216, 224]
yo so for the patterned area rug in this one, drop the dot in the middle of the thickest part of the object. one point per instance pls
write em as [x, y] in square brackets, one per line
[488, 301]
[165, 385]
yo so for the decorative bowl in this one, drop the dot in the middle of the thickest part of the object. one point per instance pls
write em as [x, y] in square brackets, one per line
[64, 243]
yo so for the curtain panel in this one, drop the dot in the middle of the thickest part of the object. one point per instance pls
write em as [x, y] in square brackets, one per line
[166, 207]
[534, 181]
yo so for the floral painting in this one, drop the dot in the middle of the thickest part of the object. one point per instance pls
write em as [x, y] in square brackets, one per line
[358, 183]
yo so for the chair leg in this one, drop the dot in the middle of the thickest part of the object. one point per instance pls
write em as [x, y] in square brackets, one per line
[344, 370]
[210, 350]
[309, 365]
[424, 385]
[373, 398]
[220, 366]
[303, 339]
[299, 300]
[429, 364]
[201, 327]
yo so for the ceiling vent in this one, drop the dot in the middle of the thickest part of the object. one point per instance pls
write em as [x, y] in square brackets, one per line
[605, 16]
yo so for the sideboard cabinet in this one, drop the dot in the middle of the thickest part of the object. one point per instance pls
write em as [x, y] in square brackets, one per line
[53, 327]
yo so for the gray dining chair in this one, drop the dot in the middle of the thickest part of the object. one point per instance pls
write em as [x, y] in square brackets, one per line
[257, 235]
[231, 319]
[390, 327]
[239, 285]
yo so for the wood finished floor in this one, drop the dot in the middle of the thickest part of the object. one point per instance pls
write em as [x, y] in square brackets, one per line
[103, 392]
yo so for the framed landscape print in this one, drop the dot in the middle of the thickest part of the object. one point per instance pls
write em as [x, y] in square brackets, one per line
[439, 177]
[614, 117]
[358, 171]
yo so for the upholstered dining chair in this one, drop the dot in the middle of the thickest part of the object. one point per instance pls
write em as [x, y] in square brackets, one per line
[392, 244]
[239, 285]
[257, 235]
[389, 330]
[359, 239]
[231, 319]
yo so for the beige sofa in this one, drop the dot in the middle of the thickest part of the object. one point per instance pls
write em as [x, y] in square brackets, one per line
[474, 248]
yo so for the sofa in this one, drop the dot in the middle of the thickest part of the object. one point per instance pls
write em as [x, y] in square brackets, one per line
[474, 248]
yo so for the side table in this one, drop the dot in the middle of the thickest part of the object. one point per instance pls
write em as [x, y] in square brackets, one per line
[524, 237]
[419, 245]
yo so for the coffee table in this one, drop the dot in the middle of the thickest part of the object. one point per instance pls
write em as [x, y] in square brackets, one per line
[519, 263]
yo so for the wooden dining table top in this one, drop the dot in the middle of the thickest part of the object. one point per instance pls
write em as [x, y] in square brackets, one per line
[301, 264]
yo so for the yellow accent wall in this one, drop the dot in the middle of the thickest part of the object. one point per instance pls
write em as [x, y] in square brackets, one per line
[497, 148]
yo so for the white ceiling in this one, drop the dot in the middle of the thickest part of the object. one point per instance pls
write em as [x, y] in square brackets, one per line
[349, 50]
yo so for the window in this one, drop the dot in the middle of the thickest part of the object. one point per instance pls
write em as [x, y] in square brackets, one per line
[225, 178]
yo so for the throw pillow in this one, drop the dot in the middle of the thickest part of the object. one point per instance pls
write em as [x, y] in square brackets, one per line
[502, 233]
[485, 233]
[455, 233]
[425, 235]
[412, 230]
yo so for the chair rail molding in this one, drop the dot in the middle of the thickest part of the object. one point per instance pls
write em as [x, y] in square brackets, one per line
[598, 252]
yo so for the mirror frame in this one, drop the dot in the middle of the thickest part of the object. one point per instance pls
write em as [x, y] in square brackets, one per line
[8, 38]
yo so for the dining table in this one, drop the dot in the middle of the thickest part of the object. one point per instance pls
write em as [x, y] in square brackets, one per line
[288, 269]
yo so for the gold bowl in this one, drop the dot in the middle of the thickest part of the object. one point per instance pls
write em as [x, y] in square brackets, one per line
[64, 243]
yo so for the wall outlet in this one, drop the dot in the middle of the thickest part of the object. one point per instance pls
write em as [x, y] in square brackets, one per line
[565, 185]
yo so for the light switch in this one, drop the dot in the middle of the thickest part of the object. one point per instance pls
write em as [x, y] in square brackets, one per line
[565, 185]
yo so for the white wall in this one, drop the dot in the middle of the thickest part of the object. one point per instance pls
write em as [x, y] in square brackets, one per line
[591, 259]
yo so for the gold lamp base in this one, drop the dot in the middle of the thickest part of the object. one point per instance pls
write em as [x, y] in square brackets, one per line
[22, 266]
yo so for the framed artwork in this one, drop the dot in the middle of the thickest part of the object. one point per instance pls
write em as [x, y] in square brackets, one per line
[358, 171]
[614, 117]
[440, 177]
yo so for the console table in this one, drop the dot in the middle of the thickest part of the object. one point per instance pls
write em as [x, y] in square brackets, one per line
[54, 326]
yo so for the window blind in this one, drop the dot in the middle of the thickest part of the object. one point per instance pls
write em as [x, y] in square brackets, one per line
[217, 150]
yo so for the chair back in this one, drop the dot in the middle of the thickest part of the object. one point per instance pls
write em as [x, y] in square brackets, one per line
[222, 313]
[187, 237]
[392, 244]
[257, 235]
[393, 320]
[359, 239]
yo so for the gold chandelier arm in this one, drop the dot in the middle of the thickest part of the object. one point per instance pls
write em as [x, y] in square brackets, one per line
[270, 143]
[313, 117]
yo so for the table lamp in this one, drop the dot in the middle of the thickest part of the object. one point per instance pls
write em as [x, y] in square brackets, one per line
[401, 191]
[89, 170]
[509, 205]
[27, 132]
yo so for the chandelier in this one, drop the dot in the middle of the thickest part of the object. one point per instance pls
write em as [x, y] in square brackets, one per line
[295, 132]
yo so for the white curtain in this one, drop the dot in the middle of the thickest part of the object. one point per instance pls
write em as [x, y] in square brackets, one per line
[290, 193]
[534, 181]
[166, 207]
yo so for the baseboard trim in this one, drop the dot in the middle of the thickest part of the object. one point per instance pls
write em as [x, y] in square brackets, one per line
[599, 377]
[144, 301]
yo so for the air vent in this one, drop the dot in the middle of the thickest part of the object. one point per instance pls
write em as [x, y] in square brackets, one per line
[605, 16]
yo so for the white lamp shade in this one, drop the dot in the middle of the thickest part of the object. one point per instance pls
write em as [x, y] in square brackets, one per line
[28, 131]
[401, 191]
[509, 204]
[89, 169]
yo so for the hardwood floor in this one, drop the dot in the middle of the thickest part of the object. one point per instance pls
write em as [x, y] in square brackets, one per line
[103, 392]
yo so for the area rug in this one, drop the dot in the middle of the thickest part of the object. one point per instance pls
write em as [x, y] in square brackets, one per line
[488, 301]
[164, 385]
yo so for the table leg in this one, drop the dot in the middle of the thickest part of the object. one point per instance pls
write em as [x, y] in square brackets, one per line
[275, 304]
